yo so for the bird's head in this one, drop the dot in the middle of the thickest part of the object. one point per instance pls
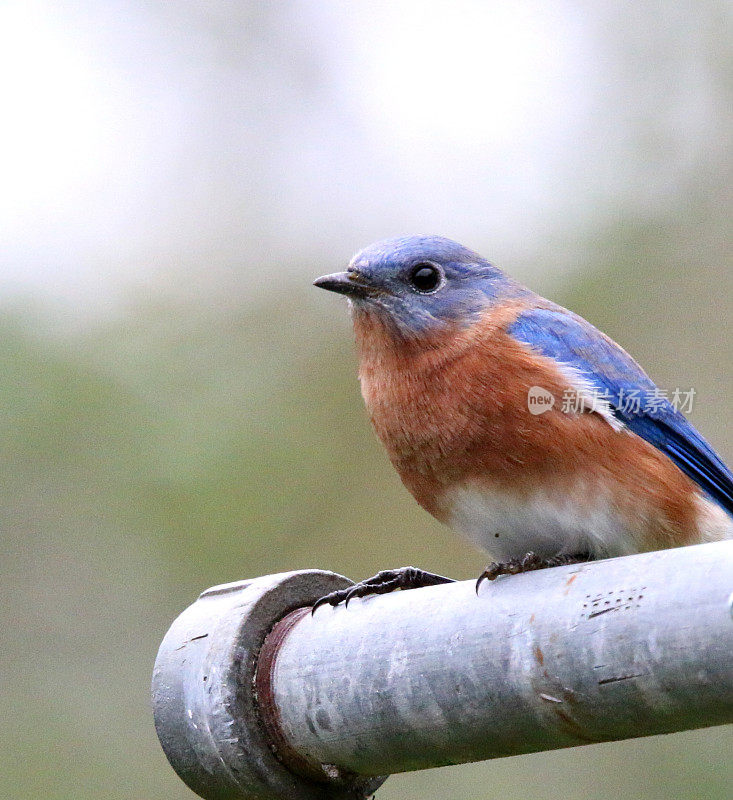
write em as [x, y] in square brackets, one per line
[420, 284]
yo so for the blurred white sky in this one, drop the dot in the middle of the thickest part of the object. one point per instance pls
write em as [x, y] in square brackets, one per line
[145, 141]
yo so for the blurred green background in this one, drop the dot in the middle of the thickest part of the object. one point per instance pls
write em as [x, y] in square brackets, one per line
[180, 407]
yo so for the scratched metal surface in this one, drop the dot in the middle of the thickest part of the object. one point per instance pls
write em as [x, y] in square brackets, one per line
[611, 650]
[206, 712]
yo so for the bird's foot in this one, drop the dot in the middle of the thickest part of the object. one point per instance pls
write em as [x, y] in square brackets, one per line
[528, 563]
[385, 581]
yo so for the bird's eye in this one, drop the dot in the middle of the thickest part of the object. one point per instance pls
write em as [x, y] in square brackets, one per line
[425, 277]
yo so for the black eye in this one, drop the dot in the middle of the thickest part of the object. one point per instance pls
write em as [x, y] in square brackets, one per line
[425, 277]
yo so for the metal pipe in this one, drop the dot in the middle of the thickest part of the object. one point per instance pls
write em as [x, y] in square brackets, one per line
[610, 650]
[255, 699]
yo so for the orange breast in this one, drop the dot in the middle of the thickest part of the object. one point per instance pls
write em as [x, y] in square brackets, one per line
[453, 409]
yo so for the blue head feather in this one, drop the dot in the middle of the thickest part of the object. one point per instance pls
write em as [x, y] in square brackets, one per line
[468, 283]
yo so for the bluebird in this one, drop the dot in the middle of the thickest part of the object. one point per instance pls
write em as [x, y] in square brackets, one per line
[509, 418]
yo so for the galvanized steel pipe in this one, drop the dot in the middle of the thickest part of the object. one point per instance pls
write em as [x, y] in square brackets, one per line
[609, 650]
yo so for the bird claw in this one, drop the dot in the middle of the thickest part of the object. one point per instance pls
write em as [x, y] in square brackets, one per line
[353, 592]
[528, 563]
[492, 571]
[383, 582]
[333, 599]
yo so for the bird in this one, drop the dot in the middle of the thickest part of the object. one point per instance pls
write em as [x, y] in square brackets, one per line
[515, 421]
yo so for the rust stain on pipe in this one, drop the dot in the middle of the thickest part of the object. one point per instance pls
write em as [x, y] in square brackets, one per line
[269, 714]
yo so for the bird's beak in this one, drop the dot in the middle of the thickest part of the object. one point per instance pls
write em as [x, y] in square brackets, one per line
[349, 283]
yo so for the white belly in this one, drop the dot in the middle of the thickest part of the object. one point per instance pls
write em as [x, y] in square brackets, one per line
[715, 525]
[548, 524]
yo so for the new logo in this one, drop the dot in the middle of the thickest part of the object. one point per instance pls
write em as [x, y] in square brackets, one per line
[539, 400]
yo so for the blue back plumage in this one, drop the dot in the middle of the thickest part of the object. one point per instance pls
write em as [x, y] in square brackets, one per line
[570, 340]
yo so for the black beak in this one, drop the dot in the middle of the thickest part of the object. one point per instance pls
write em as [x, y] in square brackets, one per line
[349, 283]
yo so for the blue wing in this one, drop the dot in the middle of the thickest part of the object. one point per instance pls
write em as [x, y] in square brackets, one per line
[560, 335]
